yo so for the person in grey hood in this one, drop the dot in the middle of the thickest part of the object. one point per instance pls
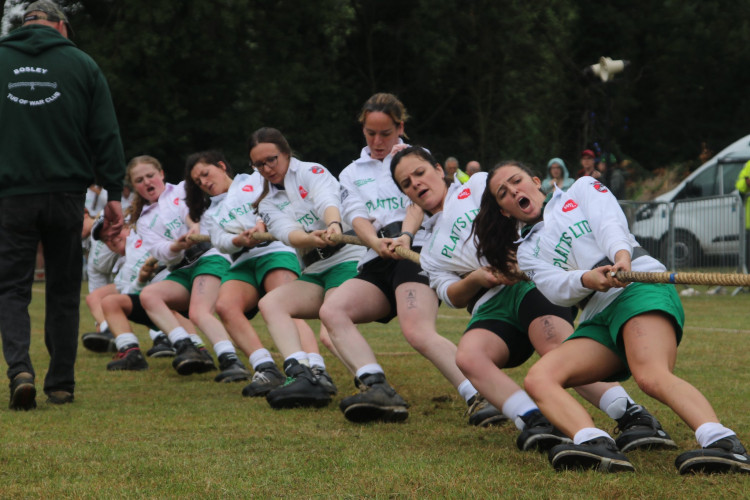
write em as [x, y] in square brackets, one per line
[58, 135]
[557, 175]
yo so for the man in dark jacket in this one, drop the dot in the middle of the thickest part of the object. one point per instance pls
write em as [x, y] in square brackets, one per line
[58, 135]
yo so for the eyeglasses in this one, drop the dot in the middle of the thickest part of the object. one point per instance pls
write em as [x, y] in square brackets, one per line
[269, 162]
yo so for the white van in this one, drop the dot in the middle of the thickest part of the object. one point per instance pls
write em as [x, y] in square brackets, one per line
[705, 228]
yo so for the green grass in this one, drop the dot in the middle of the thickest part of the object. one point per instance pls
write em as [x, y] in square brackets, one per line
[156, 434]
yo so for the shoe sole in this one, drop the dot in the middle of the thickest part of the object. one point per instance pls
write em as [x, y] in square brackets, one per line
[297, 402]
[162, 354]
[493, 420]
[543, 442]
[362, 413]
[579, 460]
[24, 397]
[60, 401]
[649, 443]
[712, 465]
[189, 366]
[232, 377]
[99, 344]
[258, 393]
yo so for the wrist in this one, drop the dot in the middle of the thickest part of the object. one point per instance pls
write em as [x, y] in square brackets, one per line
[410, 235]
[341, 226]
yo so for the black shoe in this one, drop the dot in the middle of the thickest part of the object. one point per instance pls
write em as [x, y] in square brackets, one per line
[639, 429]
[129, 358]
[301, 389]
[208, 360]
[266, 377]
[539, 434]
[22, 392]
[162, 348]
[99, 341]
[325, 379]
[600, 454]
[376, 401]
[725, 455]
[482, 414]
[60, 397]
[188, 360]
[232, 369]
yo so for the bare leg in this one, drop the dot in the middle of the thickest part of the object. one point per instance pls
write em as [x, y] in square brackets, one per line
[94, 301]
[236, 297]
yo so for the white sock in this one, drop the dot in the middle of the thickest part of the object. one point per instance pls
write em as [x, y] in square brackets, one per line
[710, 432]
[371, 368]
[178, 334]
[615, 401]
[259, 357]
[519, 403]
[224, 346]
[467, 390]
[153, 333]
[300, 356]
[316, 359]
[589, 433]
[125, 339]
[196, 340]
[103, 326]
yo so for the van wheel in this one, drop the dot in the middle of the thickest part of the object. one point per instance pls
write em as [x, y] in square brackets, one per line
[687, 251]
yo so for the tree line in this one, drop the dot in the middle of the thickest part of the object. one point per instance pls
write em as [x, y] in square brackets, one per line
[482, 80]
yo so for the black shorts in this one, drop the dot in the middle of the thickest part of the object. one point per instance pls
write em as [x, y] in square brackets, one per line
[533, 305]
[138, 313]
[389, 274]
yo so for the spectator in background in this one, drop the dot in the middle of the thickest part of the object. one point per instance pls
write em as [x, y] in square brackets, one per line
[451, 167]
[64, 134]
[612, 176]
[473, 167]
[743, 186]
[557, 175]
[588, 165]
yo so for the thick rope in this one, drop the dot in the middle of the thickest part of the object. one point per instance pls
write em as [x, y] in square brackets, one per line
[343, 238]
[714, 279]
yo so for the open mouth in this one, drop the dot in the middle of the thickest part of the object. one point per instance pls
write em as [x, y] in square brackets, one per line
[524, 202]
[422, 193]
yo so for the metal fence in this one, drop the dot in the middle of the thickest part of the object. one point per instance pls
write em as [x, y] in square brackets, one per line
[699, 234]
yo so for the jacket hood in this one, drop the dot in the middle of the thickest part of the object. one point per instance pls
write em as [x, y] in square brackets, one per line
[34, 39]
[560, 162]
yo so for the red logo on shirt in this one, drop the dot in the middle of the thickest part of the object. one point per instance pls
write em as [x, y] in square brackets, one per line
[176, 201]
[138, 243]
[247, 188]
[316, 170]
[464, 194]
[302, 192]
[569, 205]
[600, 187]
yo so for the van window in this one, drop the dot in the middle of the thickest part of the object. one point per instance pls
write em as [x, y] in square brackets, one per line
[731, 171]
[703, 184]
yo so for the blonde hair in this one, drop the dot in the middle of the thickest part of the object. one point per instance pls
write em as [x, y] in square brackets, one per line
[136, 207]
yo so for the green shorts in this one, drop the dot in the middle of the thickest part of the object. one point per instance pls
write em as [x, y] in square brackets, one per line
[254, 270]
[637, 298]
[503, 306]
[213, 265]
[332, 277]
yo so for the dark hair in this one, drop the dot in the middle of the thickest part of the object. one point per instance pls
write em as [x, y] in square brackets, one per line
[195, 198]
[494, 233]
[384, 103]
[272, 136]
[418, 151]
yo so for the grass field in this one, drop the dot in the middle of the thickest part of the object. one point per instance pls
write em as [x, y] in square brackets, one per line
[156, 434]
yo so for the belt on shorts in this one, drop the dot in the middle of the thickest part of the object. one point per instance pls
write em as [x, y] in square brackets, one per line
[637, 252]
[192, 254]
[392, 230]
[316, 254]
[236, 255]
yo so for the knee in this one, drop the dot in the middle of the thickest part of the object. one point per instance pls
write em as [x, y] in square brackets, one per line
[537, 379]
[330, 315]
[652, 383]
[466, 361]
[420, 339]
[225, 309]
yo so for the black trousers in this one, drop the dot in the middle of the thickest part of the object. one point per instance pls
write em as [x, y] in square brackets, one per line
[55, 219]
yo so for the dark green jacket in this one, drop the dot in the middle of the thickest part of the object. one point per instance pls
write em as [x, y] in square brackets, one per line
[58, 129]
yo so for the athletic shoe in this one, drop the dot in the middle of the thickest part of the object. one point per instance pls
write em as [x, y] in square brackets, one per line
[208, 360]
[639, 429]
[539, 433]
[725, 455]
[301, 389]
[60, 397]
[265, 378]
[232, 369]
[129, 358]
[188, 360]
[376, 401]
[162, 348]
[325, 379]
[22, 392]
[482, 414]
[99, 341]
[600, 454]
